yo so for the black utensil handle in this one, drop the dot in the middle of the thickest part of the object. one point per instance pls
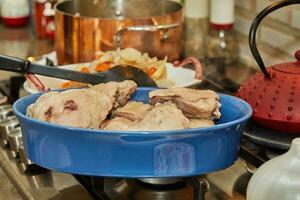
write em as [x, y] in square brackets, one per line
[13, 64]
[252, 34]
[66, 74]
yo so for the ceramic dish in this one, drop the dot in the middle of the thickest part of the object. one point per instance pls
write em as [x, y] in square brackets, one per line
[175, 153]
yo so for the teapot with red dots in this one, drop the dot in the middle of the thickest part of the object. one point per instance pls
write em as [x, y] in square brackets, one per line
[273, 93]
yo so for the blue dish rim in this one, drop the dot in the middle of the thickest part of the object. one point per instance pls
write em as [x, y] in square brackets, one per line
[141, 133]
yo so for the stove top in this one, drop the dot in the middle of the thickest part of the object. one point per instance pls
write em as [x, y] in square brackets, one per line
[191, 188]
[34, 182]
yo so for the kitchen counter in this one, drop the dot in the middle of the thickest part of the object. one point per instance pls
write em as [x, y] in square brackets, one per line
[22, 43]
[7, 189]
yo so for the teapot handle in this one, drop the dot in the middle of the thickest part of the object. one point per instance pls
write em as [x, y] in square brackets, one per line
[254, 26]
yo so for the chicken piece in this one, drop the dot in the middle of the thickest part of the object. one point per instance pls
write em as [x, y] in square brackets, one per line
[124, 90]
[133, 110]
[193, 103]
[34, 109]
[83, 108]
[117, 124]
[162, 117]
[124, 116]
[199, 123]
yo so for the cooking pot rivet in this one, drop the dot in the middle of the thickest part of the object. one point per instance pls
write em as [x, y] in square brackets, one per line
[277, 91]
[289, 117]
[292, 93]
[165, 35]
[118, 13]
[254, 87]
[274, 98]
[279, 86]
[290, 108]
[291, 100]
[272, 106]
[293, 87]
[270, 115]
[257, 103]
[264, 89]
[260, 96]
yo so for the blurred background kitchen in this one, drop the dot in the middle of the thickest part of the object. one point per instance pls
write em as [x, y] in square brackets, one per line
[27, 29]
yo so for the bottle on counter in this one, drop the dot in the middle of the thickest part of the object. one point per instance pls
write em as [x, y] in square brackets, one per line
[15, 13]
[39, 18]
[44, 18]
[221, 42]
[195, 28]
[49, 19]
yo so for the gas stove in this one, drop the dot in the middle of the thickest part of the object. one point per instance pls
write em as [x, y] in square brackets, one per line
[149, 188]
[35, 182]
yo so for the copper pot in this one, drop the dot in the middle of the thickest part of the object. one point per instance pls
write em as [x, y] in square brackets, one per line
[85, 26]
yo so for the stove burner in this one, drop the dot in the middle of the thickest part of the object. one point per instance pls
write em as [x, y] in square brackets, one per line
[161, 181]
[192, 188]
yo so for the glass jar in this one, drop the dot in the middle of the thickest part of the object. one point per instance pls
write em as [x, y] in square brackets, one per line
[222, 44]
[195, 28]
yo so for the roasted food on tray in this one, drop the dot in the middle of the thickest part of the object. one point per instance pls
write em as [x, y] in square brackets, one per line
[106, 106]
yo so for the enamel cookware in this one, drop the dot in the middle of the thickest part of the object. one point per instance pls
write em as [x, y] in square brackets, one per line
[273, 93]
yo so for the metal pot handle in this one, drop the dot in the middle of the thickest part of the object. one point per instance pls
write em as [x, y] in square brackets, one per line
[152, 28]
[252, 34]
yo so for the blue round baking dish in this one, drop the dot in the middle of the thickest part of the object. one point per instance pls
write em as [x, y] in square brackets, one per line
[177, 153]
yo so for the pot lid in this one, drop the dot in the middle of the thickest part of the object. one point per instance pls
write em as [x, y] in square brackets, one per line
[290, 67]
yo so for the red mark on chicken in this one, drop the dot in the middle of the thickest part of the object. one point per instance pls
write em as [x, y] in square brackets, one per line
[48, 113]
[70, 105]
